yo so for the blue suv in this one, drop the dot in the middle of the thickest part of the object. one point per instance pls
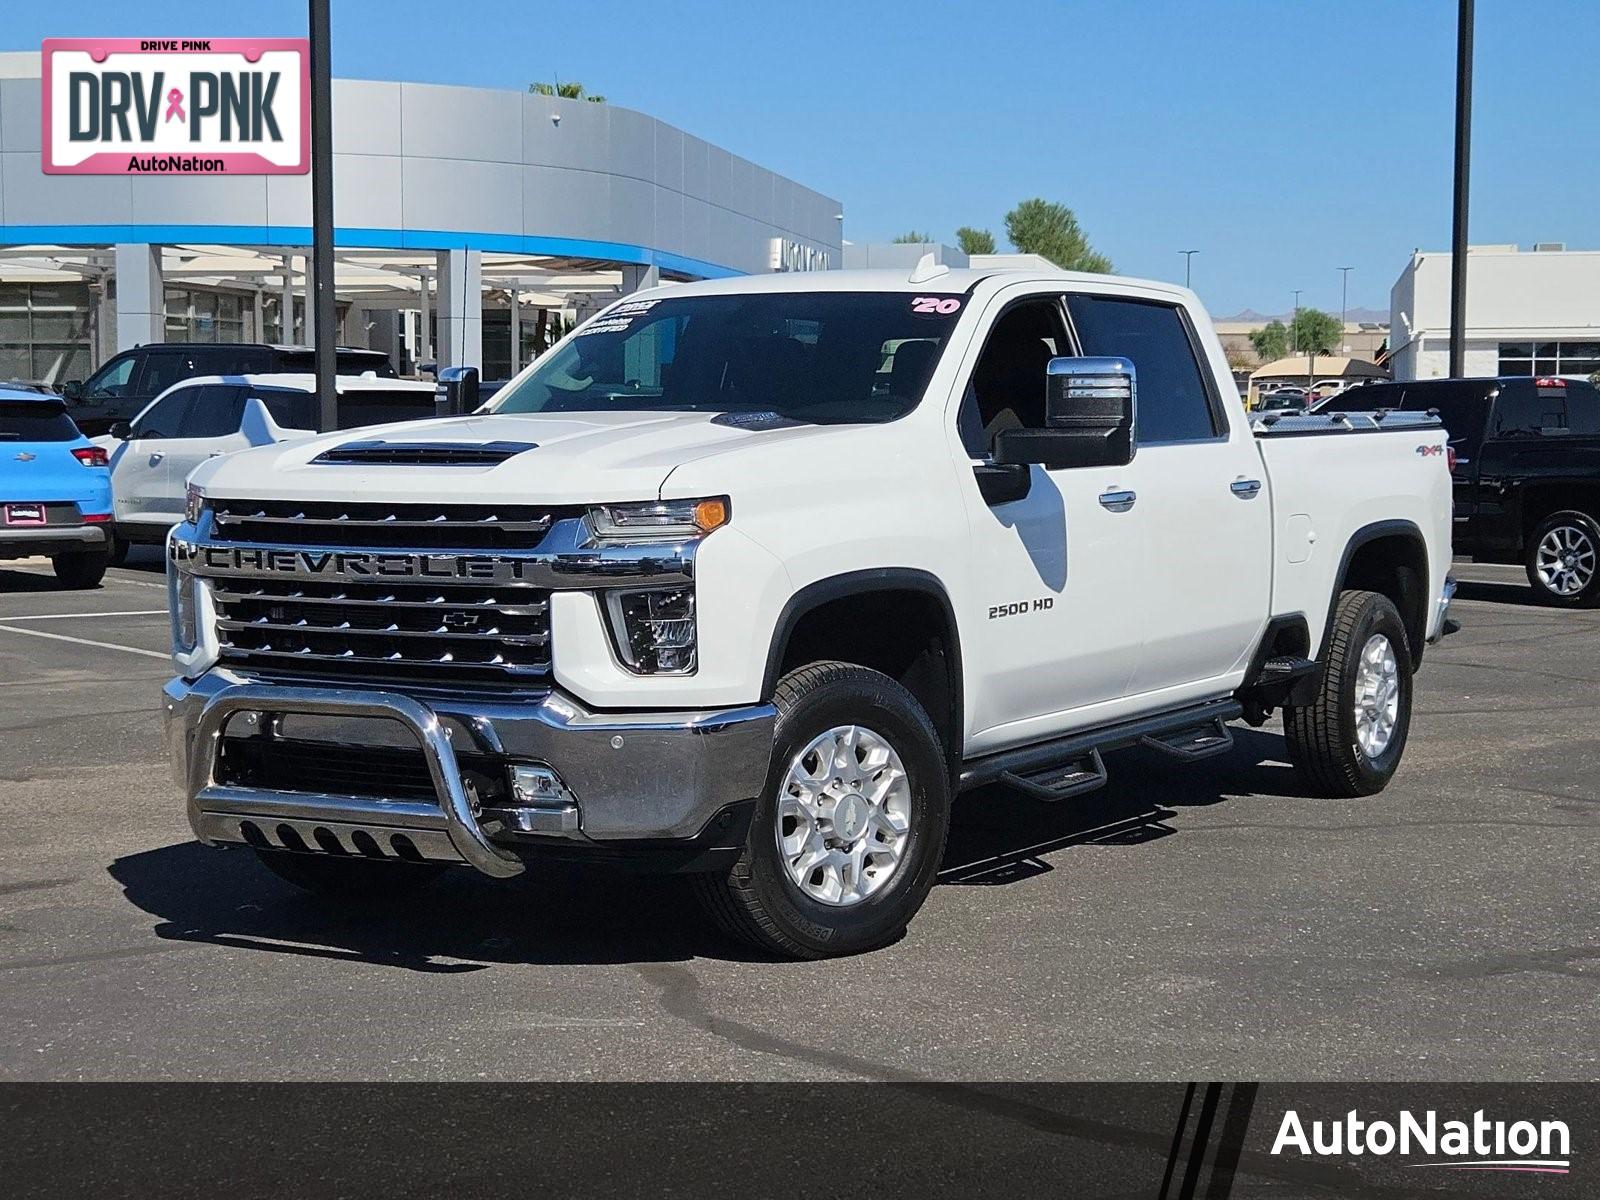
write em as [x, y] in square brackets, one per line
[55, 489]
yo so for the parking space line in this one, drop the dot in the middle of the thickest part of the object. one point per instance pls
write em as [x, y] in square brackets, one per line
[81, 616]
[61, 637]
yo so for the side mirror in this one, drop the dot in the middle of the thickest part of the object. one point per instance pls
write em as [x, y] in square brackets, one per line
[1089, 418]
[457, 392]
[72, 389]
[120, 430]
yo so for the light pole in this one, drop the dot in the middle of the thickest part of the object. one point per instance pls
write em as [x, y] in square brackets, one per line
[1458, 240]
[1344, 300]
[321, 317]
[1294, 320]
[1188, 255]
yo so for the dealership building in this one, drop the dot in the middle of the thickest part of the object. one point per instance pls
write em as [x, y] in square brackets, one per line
[471, 227]
[1528, 313]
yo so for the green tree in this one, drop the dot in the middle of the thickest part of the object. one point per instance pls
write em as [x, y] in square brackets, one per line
[1043, 227]
[1271, 340]
[1315, 330]
[567, 91]
[913, 238]
[975, 241]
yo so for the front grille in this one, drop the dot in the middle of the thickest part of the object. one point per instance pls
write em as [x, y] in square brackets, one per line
[374, 526]
[380, 772]
[445, 634]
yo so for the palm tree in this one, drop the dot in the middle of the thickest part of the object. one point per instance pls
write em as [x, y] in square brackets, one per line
[567, 91]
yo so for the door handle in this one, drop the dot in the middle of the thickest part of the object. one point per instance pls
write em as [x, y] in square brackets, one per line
[1117, 501]
[1245, 489]
[156, 457]
[216, 453]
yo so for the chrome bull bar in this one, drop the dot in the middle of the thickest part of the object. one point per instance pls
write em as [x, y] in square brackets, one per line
[449, 826]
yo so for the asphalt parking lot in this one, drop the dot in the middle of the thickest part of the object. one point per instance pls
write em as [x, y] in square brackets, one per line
[1187, 922]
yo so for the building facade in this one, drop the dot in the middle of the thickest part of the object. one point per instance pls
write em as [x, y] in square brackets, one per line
[1528, 313]
[442, 196]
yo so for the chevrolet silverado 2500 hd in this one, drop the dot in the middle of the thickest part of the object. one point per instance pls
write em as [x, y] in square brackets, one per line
[748, 578]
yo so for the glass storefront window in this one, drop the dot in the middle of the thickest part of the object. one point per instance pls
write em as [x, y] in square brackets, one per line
[45, 331]
[207, 316]
[1549, 358]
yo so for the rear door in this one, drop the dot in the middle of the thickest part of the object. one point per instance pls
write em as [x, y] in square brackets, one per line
[1202, 582]
[1542, 434]
[209, 427]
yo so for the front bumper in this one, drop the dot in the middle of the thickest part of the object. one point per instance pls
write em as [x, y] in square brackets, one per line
[27, 541]
[633, 780]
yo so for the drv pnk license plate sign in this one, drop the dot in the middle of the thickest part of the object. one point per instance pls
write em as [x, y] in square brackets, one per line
[24, 514]
[177, 106]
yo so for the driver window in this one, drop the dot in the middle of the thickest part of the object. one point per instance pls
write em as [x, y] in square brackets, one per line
[1007, 388]
[113, 380]
[165, 418]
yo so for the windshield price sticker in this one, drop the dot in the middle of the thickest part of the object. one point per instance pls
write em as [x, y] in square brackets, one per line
[633, 307]
[605, 325]
[935, 306]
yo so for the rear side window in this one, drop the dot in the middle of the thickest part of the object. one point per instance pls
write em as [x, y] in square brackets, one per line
[289, 410]
[216, 412]
[1174, 403]
[1583, 407]
[1463, 408]
[369, 407]
[35, 421]
[162, 369]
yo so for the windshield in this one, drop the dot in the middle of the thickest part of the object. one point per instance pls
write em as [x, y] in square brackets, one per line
[820, 357]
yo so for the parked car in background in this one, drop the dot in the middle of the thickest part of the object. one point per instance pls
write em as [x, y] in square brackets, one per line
[130, 380]
[1526, 455]
[1284, 400]
[55, 490]
[203, 418]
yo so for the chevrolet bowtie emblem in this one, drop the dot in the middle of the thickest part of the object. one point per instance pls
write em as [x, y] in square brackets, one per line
[25, 457]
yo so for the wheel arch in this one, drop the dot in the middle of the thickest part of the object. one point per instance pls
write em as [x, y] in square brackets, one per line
[1389, 557]
[937, 682]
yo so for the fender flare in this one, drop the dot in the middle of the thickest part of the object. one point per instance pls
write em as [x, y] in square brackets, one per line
[1397, 527]
[863, 583]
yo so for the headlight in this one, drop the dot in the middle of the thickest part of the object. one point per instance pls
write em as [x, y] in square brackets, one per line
[194, 503]
[185, 631]
[655, 629]
[658, 520]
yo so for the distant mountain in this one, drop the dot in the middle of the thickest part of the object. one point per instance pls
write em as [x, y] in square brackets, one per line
[1355, 316]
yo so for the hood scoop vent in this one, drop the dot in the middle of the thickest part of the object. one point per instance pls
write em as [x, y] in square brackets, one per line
[422, 454]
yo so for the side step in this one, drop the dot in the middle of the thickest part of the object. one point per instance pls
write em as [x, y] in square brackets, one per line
[1194, 743]
[1070, 766]
[1285, 669]
[1060, 782]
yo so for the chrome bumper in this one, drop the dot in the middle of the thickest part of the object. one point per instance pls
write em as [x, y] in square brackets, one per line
[635, 777]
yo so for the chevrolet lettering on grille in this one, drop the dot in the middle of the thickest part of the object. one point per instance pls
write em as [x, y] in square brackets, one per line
[352, 564]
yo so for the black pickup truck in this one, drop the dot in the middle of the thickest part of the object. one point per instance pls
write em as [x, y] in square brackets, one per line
[1526, 467]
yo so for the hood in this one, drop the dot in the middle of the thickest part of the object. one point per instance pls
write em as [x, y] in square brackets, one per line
[560, 458]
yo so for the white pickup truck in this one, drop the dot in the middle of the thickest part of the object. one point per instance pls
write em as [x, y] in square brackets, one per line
[748, 578]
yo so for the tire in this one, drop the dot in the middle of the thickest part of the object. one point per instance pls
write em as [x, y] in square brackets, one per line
[1325, 740]
[82, 570]
[1563, 560]
[759, 901]
[349, 878]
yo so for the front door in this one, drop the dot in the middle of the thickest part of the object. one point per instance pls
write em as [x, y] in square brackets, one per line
[139, 471]
[1054, 631]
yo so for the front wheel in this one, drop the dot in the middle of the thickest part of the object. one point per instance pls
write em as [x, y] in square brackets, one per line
[1348, 742]
[1563, 560]
[848, 834]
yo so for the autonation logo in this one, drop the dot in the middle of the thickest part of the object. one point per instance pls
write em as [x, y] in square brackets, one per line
[1476, 1145]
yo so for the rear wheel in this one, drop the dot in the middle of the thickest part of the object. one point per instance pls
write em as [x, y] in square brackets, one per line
[1348, 742]
[81, 570]
[1563, 560]
[349, 878]
[848, 834]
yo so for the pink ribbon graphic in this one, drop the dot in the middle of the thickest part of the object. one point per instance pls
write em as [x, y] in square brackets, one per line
[174, 106]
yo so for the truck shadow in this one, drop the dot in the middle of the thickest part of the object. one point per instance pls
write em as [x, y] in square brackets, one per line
[558, 915]
[1501, 593]
[999, 836]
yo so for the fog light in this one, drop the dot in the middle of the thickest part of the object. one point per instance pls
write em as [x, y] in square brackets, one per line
[655, 630]
[539, 786]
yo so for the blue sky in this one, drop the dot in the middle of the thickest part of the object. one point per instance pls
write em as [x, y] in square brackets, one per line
[1282, 139]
